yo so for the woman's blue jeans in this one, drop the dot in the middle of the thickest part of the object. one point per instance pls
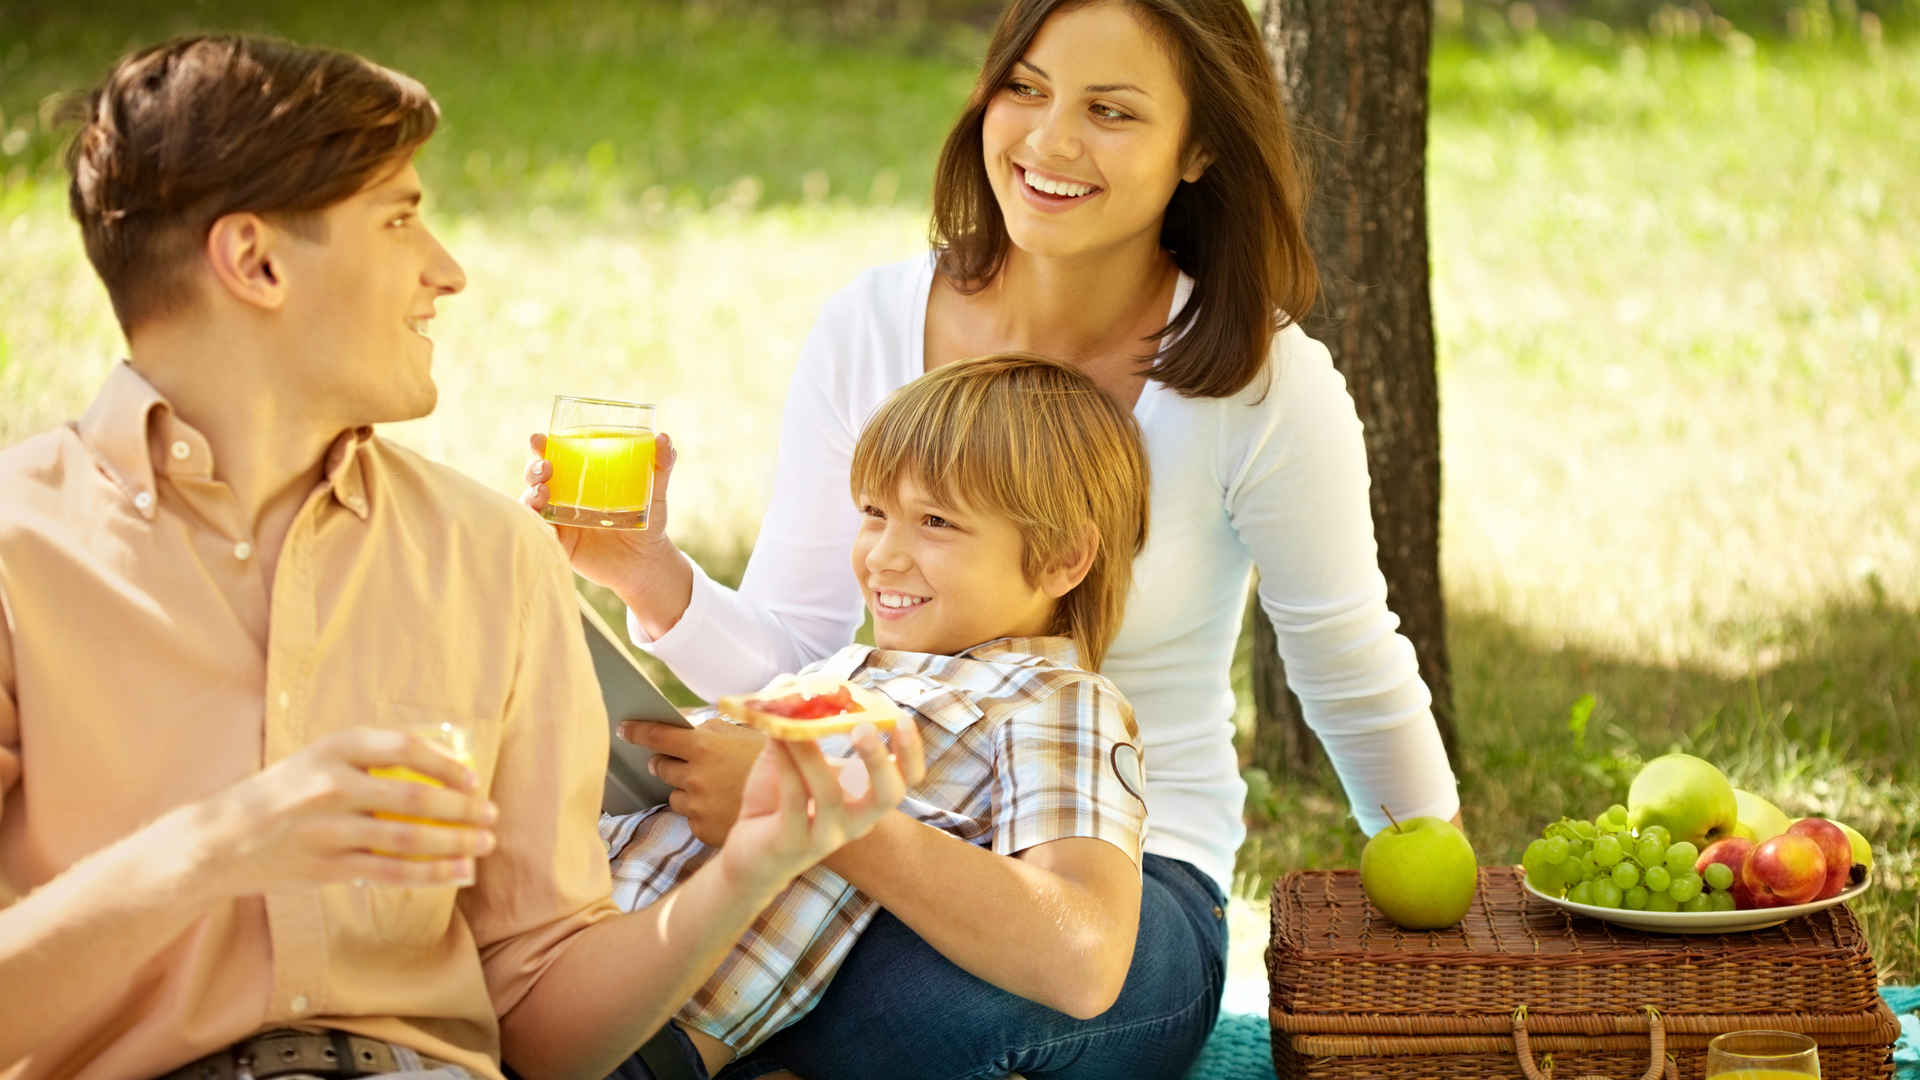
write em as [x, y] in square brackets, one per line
[900, 1010]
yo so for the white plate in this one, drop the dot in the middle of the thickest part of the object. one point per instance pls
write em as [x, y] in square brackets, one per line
[1698, 922]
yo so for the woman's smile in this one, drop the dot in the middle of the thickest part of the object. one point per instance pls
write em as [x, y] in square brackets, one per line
[1050, 192]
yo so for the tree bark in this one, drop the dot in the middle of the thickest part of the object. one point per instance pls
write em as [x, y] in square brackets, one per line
[1354, 77]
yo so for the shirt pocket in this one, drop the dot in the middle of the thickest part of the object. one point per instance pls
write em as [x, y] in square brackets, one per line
[421, 917]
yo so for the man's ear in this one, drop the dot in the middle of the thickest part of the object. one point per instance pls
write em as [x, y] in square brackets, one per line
[1198, 159]
[1071, 568]
[246, 257]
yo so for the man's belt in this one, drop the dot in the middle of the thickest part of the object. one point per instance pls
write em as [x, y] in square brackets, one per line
[286, 1052]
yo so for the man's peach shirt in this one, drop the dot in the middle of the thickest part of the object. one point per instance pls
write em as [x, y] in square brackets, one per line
[144, 664]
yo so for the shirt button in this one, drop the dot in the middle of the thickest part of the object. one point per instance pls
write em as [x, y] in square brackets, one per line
[180, 451]
[299, 1003]
[143, 501]
[242, 551]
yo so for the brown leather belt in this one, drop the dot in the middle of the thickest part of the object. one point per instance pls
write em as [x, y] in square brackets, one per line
[286, 1052]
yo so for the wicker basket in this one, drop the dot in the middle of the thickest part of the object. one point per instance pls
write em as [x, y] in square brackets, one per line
[1356, 998]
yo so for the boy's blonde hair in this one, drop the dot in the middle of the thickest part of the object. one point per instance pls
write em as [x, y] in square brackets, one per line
[1033, 439]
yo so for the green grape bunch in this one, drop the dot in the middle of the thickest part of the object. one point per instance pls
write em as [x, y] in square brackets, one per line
[1604, 862]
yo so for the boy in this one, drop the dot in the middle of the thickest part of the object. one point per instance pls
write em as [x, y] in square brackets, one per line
[1004, 499]
[223, 599]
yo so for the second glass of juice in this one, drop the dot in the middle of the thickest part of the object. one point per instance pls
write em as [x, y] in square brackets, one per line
[1762, 1055]
[602, 457]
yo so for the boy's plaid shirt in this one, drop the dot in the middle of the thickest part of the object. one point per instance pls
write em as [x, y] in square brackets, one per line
[1022, 748]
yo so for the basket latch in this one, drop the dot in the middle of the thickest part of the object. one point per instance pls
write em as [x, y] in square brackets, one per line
[1659, 1067]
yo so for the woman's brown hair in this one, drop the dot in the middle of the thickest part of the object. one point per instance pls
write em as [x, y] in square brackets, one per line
[1239, 231]
[183, 133]
[1036, 441]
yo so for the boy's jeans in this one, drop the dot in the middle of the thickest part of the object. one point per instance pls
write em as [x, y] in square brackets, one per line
[900, 1010]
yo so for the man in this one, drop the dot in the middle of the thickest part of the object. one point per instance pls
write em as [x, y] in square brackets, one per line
[223, 600]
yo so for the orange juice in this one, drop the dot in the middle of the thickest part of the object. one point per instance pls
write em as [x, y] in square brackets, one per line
[401, 772]
[450, 739]
[602, 477]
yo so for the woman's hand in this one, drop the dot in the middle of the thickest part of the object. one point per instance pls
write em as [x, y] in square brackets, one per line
[643, 566]
[707, 766]
[798, 806]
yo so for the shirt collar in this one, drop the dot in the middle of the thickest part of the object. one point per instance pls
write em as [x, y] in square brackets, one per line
[345, 472]
[1051, 648]
[115, 428]
[135, 434]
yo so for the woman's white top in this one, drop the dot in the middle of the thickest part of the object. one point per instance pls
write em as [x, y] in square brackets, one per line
[1274, 477]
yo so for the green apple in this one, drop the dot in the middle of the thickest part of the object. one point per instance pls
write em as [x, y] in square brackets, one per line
[1862, 851]
[1760, 820]
[1687, 796]
[1420, 872]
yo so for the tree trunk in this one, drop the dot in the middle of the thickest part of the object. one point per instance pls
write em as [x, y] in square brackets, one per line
[1354, 77]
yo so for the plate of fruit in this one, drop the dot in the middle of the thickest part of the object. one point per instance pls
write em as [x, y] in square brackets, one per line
[1689, 853]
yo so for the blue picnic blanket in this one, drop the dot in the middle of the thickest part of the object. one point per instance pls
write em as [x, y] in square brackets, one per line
[1239, 1048]
[1905, 1003]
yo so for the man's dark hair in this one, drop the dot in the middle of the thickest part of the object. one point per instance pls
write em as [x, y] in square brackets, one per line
[183, 133]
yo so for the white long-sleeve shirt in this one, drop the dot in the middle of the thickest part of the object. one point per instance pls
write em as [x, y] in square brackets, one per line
[1274, 477]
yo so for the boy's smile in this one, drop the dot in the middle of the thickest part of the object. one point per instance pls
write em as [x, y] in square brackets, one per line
[942, 578]
[897, 605]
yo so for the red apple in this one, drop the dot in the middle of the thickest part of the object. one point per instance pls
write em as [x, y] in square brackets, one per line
[1834, 845]
[1788, 869]
[1733, 851]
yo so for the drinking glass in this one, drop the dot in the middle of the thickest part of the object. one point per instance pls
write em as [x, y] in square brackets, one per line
[450, 738]
[1762, 1055]
[602, 457]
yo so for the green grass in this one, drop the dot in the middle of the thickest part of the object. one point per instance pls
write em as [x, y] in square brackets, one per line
[636, 114]
[1676, 286]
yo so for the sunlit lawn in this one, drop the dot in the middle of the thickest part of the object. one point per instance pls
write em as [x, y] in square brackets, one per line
[1677, 290]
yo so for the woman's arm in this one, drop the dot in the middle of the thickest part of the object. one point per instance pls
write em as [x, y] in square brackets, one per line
[799, 600]
[1297, 495]
[1054, 924]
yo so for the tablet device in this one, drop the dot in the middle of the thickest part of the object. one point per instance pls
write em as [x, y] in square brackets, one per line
[629, 695]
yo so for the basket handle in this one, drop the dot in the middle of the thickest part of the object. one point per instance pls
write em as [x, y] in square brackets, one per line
[1660, 1066]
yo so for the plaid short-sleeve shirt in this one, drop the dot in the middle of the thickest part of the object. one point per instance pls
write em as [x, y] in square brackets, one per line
[1022, 747]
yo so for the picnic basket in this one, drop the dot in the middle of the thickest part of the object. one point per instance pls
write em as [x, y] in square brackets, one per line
[1522, 990]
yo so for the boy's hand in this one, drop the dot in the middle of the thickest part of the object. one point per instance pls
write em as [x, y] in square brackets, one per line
[798, 807]
[308, 820]
[707, 766]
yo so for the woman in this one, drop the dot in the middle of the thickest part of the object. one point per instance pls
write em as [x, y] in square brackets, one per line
[1121, 193]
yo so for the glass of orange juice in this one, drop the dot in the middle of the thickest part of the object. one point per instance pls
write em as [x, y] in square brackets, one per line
[1762, 1055]
[451, 739]
[602, 457]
